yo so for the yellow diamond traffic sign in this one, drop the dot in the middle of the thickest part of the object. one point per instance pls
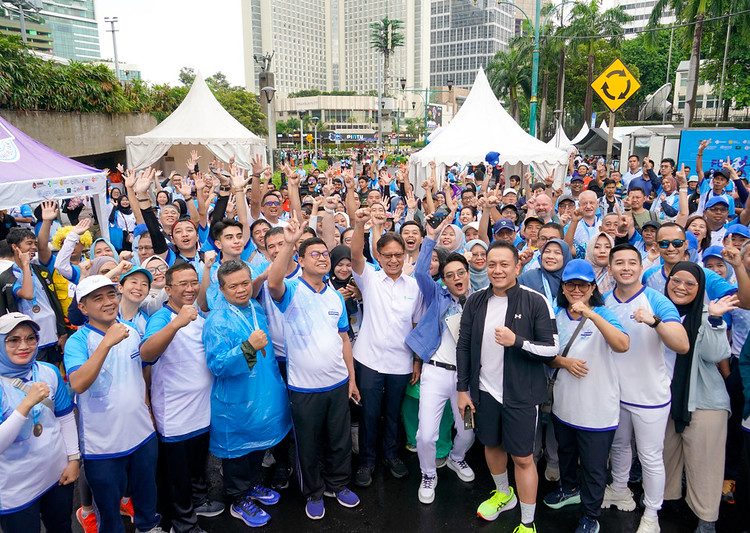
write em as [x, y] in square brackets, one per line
[615, 85]
[309, 137]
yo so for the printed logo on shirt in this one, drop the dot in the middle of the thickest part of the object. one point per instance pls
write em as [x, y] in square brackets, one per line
[333, 312]
[586, 334]
[518, 317]
[135, 354]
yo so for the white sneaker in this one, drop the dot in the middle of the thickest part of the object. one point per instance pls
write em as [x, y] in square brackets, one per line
[427, 489]
[552, 473]
[648, 525]
[623, 500]
[462, 470]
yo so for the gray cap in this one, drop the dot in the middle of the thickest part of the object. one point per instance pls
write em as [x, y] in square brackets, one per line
[9, 322]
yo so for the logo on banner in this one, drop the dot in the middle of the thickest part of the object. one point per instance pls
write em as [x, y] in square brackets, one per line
[9, 152]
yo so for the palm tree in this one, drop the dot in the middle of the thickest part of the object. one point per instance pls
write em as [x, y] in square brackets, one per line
[587, 25]
[385, 36]
[509, 73]
[689, 11]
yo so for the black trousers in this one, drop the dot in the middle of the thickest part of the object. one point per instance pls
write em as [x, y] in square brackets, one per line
[733, 462]
[592, 448]
[52, 508]
[184, 482]
[324, 440]
[381, 394]
[242, 473]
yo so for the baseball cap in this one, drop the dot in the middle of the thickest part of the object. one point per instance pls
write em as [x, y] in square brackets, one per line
[576, 177]
[566, 198]
[471, 225]
[693, 178]
[721, 172]
[579, 269]
[738, 229]
[137, 270]
[532, 219]
[510, 190]
[92, 283]
[502, 224]
[650, 224]
[9, 321]
[493, 158]
[716, 200]
[712, 251]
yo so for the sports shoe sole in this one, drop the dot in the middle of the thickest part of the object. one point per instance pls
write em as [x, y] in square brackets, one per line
[210, 514]
[621, 505]
[315, 517]
[239, 517]
[426, 501]
[359, 484]
[507, 507]
[347, 505]
[461, 476]
[572, 500]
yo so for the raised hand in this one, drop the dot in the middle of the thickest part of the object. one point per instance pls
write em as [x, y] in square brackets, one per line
[681, 177]
[50, 210]
[238, 178]
[732, 256]
[37, 392]
[257, 164]
[581, 308]
[704, 144]
[209, 258]
[130, 178]
[187, 314]
[293, 230]
[143, 181]
[82, 227]
[362, 215]
[723, 305]
[120, 168]
[644, 316]
[116, 333]
[185, 187]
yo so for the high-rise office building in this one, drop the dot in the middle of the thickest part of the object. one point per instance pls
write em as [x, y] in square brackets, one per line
[75, 34]
[464, 35]
[325, 44]
[640, 11]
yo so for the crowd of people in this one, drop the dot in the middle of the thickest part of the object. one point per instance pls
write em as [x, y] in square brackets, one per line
[596, 327]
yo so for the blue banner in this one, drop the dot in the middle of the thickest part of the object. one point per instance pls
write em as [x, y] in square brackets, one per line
[734, 144]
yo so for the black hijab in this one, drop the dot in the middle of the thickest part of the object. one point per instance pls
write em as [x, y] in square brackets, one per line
[118, 208]
[338, 254]
[692, 318]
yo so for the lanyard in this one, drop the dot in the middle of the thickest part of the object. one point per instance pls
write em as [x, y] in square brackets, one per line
[242, 317]
[37, 409]
[548, 292]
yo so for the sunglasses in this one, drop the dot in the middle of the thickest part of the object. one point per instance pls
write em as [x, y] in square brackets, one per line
[677, 243]
[272, 204]
[580, 286]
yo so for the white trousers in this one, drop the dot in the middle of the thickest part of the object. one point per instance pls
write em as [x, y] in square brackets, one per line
[437, 386]
[649, 427]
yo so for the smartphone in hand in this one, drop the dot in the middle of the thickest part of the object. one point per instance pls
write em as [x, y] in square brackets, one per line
[468, 418]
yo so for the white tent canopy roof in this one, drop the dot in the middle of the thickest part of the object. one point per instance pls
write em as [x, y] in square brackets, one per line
[482, 126]
[560, 140]
[581, 135]
[199, 119]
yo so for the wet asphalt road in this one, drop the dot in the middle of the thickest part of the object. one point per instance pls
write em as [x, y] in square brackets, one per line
[391, 505]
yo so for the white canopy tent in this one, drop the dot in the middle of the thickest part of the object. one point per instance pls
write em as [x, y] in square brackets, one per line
[560, 140]
[581, 135]
[199, 120]
[482, 126]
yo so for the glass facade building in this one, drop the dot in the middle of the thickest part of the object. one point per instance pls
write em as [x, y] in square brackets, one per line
[75, 33]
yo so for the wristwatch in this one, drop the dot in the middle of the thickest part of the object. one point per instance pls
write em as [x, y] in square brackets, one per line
[74, 457]
[657, 321]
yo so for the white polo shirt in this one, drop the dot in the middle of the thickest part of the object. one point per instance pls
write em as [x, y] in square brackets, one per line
[391, 308]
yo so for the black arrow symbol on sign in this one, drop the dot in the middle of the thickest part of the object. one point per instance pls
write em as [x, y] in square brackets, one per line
[618, 72]
[625, 92]
[605, 90]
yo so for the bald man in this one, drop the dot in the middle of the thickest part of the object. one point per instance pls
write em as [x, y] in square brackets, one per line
[544, 208]
[584, 225]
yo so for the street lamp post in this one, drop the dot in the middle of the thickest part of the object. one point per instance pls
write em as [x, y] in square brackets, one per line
[268, 93]
[426, 97]
[112, 21]
[301, 136]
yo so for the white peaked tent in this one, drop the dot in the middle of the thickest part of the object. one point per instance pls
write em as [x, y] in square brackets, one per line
[199, 120]
[581, 135]
[482, 126]
[560, 140]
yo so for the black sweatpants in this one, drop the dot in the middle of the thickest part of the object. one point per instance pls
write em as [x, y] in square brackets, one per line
[592, 448]
[324, 440]
[185, 485]
[52, 509]
[242, 473]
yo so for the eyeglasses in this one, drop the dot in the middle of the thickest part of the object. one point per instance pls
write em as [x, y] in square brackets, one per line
[397, 255]
[242, 285]
[677, 243]
[457, 274]
[688, 284]
[580, 286]
[318, 255]
[161, 269]
[272, 204]
[185, 284]
[718, 209]
[15, 342]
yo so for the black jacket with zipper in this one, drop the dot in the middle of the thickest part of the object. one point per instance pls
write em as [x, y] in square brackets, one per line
[532, 320]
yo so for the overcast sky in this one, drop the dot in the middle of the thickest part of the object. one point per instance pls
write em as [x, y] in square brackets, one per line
[161, 36]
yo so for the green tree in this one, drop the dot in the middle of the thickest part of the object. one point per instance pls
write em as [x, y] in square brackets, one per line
[186, 76]
[415, 127]
[588, 25]
[576, 77]
[386, 35]
[509, 74]
[218, 81]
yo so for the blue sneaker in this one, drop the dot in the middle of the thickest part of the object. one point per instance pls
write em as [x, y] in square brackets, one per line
[315, 509]
[587, 525]
[559, 498]
[347, 498]
[249, 513]
[263, 495]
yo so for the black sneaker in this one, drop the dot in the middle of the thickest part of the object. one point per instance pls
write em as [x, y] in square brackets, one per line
[363, 477]
[397, 468]
[280, 480]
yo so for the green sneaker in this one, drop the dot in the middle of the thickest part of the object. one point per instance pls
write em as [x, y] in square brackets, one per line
[498, 502]
[525, 529]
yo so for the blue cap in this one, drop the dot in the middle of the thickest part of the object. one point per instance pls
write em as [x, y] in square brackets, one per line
[503, 223]
[715, 201]
[493, 158]
[712, 251]
[579, 269]
[138, 270]
[576, 177]
[738, 229]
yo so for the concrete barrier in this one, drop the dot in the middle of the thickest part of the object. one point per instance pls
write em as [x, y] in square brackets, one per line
[80, 134]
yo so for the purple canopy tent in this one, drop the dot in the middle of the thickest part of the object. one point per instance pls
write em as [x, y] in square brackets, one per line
[31, 172]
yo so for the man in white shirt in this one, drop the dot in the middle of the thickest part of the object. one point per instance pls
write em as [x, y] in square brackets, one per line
[634, 170]
[383, 362]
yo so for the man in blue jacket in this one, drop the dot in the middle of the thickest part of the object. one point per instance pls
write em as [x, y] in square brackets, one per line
[434, 341]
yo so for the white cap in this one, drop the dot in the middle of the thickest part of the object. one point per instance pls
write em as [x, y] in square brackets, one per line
[472, 225]
[8, 322]
[510, 190]
[92, 283]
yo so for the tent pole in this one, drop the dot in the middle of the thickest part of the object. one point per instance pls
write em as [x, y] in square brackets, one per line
[100, 201]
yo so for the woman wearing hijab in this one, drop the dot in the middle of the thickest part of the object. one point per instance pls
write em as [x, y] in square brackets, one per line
[597, 254]
[476, 251]
[586, 404]
[452, 239]
[39, 455]
[122, 223]
[694, 443]
[340, 278]
[553, 256]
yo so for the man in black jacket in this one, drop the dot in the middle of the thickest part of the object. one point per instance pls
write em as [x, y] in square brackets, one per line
[507, 334]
